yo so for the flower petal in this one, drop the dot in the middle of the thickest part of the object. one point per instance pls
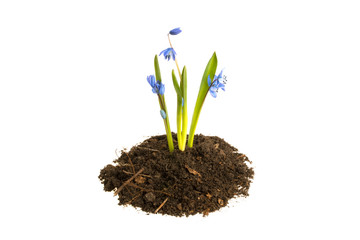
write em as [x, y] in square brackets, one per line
[221, 85]
[163, 51]
[162, 89]
[213, 93]
[209, 80]
[151, 80]
[169, 53]
[220, 74]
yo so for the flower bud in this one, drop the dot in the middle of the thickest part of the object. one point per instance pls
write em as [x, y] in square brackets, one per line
[175, 31]
[163, 114]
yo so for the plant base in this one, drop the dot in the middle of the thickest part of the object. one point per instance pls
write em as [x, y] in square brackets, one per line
[201, 179]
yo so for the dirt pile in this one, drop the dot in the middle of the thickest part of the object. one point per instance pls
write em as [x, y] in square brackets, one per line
[201, 179]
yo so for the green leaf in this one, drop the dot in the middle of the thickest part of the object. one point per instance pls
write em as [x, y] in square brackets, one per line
[163, 107]
[209, 70]
[157, 68]
[204, 87]
[178, 111]
[183, 84]
[184, 114]
[176, 85]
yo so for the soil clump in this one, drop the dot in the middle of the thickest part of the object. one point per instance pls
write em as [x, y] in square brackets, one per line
[202, 179]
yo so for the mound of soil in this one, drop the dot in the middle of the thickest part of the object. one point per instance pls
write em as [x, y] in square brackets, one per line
[201, 179]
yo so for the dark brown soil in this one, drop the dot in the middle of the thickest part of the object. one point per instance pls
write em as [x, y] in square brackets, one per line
[201, 179]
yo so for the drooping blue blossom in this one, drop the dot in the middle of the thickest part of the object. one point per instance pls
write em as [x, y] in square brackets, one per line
[163, 114]
[169, 53]
[175, 31]
[157, 86]
[219, 82]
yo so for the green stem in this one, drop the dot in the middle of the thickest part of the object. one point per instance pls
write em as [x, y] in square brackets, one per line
[178, 122]
[182, 118]
[163, 106]
[194, 122]
[166, 123]
[177, 66]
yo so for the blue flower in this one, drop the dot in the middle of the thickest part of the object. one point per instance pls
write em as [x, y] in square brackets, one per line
[168, 53]
[175, 31]
[157, 86]
[219, 82]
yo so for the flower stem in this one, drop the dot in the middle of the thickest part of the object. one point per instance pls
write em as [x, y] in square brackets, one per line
[182, 117]
[163, 107]
[176, 62]
[166, 122]
[177, 66]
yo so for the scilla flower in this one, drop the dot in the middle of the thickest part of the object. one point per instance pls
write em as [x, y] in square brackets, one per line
[175, 31]
[169, 53]
[216, 84]
[157, 86]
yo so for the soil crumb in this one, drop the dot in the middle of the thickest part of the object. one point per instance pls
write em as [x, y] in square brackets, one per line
[202, 179]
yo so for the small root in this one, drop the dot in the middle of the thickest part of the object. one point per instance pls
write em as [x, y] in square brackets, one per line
[116, 153]
[128, 181]
[149, 149]
[161, 205]
[132, 165]
[139, 174]
[129, 202]
[148, 190]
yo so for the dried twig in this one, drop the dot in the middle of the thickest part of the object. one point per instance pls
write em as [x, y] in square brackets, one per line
[134, 198]
[149, 149]
[128, 181]
[161, 205]
[116, 153]
[139, 174]
[148, 190]
[132, 165]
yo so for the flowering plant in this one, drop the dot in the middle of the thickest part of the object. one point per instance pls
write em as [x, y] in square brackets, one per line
[209, 83]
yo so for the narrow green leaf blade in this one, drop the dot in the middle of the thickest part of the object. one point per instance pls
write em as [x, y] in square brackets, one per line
[204, 87]
[185, 116]
[157, 68]
[183, 84]
[176, 85]
[209, 70]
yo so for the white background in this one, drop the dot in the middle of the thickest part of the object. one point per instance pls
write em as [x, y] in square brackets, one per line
[73, 90]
